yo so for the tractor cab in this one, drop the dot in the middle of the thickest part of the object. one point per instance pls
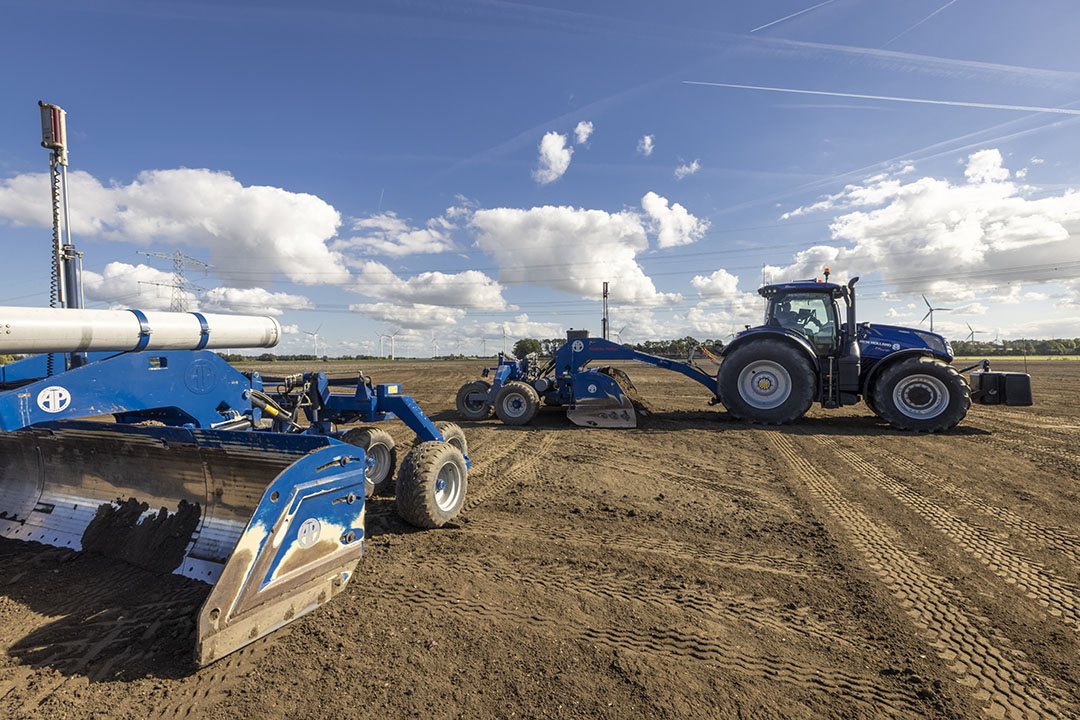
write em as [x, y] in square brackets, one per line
[808, 309]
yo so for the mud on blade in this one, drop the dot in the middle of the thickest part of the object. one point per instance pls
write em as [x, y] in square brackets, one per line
[605, 398]
[274, 522]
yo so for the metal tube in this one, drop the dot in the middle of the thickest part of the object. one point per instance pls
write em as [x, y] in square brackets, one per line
[56, 330]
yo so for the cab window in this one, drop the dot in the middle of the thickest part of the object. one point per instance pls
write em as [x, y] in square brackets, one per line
[812, 315]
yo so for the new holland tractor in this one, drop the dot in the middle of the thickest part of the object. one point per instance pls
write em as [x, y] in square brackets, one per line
[806, 351]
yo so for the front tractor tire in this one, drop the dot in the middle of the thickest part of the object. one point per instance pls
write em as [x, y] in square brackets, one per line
[767, 382]
[381, 458]
[921, 394]
[431, 485]
[517, 403]
[470, 405]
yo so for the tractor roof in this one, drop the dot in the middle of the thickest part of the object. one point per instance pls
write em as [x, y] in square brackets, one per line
[802, 286]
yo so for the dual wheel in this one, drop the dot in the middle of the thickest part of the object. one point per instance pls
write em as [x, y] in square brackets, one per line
[432, 480]
[771, 382]
[516, 403]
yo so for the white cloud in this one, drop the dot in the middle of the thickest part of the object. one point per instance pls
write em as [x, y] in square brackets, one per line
[412, 316]
[684, 170]
[520, 327]
[1037, 161]
[554, 158]
[673, 225]
[387, 234]
[956, 241]
[1021, 174]
[147, 288]
[645, 145]
[290, 329]
[252, 301]
[252, 233]
[570, 249]
[582, 132]
[470, 289]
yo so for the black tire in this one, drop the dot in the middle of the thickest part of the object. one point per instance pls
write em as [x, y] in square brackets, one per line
[921, 394]
[453, 434]
[431, 485]
[377, 444]
[767, 381]
[517, 403]
[472, 410]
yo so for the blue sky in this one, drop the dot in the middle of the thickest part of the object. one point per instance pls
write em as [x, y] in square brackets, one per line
[471, 170]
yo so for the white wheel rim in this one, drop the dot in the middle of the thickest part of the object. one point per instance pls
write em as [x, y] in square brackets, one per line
[920, 396]
[448, 487]
[514, 405]
[764, 384]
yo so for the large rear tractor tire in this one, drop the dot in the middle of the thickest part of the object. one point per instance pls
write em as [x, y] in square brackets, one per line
[453, 434]
[431, 485]
[472, 408]
[381, 458]
[921, 394]
[768, 382]
[517, 403]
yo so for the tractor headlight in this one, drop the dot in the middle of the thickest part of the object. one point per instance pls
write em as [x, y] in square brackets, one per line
[935, 342]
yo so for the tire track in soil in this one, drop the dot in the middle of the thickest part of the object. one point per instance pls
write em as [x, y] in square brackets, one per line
[1038, 583]
[980, 666]
[721, 608]
[637, 543]
[214, 683]
[523, 470]
[1056, 538]
[671, 643]
[1028, 445]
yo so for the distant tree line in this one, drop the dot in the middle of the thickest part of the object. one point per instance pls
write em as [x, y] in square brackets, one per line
[978, 348]
[679, 348]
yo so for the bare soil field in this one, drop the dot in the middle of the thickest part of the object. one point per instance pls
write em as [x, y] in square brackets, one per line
[693, 567]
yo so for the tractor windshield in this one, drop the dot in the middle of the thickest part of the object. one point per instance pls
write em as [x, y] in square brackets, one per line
[812, 315]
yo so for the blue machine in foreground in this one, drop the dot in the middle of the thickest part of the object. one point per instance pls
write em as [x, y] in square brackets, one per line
[235, 479]
[804, 352]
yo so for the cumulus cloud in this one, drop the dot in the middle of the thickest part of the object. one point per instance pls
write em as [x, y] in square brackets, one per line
[251, 232]
[953, 239]
[684, 170]
[673, 225]
[582, 132]
[570, 249]
[410, 315]
[387, 234]
[554, 158]
[147, 288]
[520, 327]
[469, 289]
[645, 145]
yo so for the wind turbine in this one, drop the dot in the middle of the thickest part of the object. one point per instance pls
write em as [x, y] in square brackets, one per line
[315, 336]
[393, 336]
[972, 332]
[930, 313]
[504, 339]
[483, 346]
[434, 346]
[618, 335]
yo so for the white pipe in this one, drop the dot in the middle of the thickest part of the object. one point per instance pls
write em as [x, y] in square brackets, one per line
[57, 330]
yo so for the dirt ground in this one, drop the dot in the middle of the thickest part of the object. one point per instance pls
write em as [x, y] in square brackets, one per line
[693, 567]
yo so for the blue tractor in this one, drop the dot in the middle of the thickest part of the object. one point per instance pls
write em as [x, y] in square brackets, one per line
[806, 351]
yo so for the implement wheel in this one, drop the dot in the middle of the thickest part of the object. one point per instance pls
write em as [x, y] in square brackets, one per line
[766, 381]
[381, 458]
[470, 405]
[431, 485]
[922, 394]
[517, 403]
[454, 435]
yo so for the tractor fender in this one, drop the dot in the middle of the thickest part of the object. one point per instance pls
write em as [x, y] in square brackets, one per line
[871, 375]
[795, 340]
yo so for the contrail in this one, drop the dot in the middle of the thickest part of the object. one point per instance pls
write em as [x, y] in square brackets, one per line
[918, 23]
[788, 17]
[954, 103]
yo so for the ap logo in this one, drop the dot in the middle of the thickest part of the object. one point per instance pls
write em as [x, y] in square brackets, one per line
[54, 399]
[578, 346]
[309, 533]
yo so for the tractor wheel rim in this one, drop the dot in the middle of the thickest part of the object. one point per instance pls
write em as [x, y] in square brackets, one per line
[379, 457]
[447, 487]
[514, 405]
[920, 396]
[764, 384]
